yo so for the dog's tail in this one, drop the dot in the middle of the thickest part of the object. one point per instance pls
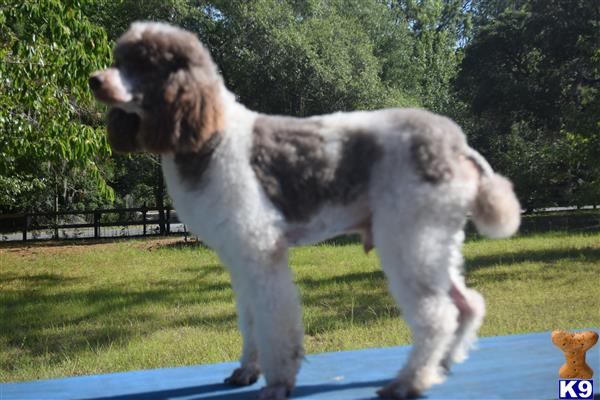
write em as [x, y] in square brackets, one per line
[496, 211]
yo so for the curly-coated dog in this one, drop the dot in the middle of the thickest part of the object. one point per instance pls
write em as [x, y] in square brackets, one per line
[252, 185]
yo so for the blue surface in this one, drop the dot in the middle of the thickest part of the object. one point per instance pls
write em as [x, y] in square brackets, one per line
[506, 367]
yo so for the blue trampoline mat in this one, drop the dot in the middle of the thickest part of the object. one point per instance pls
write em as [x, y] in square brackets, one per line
[504, 367]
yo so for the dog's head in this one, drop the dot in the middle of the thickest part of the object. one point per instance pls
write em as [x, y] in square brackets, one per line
[163, 90]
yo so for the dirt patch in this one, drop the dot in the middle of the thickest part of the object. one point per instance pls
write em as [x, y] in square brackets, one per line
[169, 243]
[50, 248]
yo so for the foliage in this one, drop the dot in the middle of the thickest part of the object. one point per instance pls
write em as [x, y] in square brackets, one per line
[438, 29]
[48, 124]
[280, 57]
[135, 180]
[116, 16]
[531, 77]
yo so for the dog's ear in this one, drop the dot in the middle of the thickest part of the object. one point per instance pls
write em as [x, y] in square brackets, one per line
[185, 114]
[193, 96]
[122, 130]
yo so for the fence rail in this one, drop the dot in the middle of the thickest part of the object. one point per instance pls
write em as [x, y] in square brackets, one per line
[90, 224]
[148, 221]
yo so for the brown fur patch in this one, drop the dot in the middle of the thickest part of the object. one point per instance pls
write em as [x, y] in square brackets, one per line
[436, 145]
[292, 165]
[192, 166]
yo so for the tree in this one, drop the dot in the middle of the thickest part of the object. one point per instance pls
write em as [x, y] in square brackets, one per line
[531, 78]
[49, 125]
[439, 29]
[302, 58]
[116, 16]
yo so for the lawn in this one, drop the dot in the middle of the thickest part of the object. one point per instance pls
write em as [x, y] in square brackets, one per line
[105, 307]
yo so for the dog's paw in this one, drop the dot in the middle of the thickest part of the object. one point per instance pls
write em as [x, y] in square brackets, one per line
[275, 392]
[411, 384]
[455, 356]
[445, 366]
[398, 390]
[243, 376]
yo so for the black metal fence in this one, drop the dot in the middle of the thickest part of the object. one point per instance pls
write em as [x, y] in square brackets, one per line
[93, 224]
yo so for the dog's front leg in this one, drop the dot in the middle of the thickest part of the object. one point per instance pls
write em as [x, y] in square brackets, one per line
[248, 372]
[277, 325]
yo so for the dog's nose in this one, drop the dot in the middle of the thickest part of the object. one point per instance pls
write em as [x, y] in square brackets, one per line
[95, 81]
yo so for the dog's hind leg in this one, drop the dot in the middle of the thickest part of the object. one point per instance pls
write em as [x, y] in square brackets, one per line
[248, 372]
[416, 255]
[471, 307]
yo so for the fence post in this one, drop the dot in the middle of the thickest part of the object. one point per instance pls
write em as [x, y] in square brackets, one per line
[144, 211]
[96, 224]
[168, 221]
[56, 237]
[161, 221]
[25, 226]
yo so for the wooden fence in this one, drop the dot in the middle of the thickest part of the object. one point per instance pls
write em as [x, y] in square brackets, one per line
[144, 221]
[90, 224]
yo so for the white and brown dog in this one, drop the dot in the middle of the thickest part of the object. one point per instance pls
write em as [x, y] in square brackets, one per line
[252, 185]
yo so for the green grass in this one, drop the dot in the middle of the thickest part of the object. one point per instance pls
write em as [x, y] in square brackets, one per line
[119, 306]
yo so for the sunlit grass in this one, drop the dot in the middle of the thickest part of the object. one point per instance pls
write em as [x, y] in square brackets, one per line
[121, 306]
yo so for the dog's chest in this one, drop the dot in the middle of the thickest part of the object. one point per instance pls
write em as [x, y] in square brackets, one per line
[197, 205]
[224, 203]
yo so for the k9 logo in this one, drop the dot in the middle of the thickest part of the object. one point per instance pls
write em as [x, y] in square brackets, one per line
[575, 389]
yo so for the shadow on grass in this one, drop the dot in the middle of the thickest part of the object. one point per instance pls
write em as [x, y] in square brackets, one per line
[48, 315]
[39, 279]
[204, 271]
[540, 256]
[359, 299]
[43, 316]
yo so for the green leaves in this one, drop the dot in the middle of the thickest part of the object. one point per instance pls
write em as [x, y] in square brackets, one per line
[531, 77]
[49, 50]
[313, 58]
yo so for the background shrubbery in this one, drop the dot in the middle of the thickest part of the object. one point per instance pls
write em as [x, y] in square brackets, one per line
[521, 76]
